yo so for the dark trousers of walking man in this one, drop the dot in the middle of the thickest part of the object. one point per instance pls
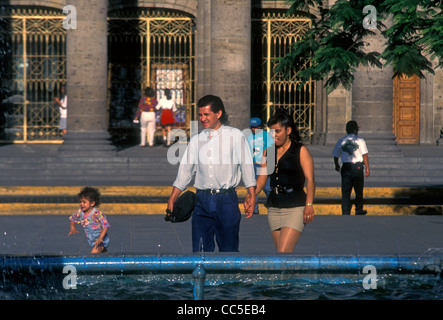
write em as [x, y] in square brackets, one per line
[352, 177]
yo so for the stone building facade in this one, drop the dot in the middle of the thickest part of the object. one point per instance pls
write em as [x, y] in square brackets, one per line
[222, 47]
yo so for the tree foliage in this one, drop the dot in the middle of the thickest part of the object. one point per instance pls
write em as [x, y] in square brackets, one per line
[338, 39]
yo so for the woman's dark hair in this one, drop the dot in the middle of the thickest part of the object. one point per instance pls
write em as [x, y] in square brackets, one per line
[92, 194]
[168, 94]
[216, 105]
[282, 116]
[149, 92]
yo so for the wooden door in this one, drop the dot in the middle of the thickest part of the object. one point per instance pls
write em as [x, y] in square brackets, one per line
[406, 125]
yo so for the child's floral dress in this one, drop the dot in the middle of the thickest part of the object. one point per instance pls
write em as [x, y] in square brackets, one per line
[93, 224]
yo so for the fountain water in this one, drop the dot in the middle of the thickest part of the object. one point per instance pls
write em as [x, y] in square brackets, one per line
[262, 270]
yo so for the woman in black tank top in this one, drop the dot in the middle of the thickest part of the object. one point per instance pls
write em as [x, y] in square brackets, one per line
[289, 207]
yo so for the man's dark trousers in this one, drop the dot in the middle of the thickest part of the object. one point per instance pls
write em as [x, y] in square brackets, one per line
[216, 215]
[352, 176]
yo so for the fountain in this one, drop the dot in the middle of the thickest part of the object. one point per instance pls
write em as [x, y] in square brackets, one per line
[307, 269]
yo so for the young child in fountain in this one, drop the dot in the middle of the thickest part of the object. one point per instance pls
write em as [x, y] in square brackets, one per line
[91, 219]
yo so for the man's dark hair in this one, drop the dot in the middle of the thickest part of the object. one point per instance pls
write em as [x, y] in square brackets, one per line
[351, 127]
[92, 194]
[149, 92]
[216, 105]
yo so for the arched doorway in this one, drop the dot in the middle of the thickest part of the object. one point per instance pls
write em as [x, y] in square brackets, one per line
[273, 33]
[33, 70]
[150, 48]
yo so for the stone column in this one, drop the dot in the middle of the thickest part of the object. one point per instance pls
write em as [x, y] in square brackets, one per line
[87, 65]
[339, 105]
[426, 117]
[438, 106]
[224, 56]
[372, 101]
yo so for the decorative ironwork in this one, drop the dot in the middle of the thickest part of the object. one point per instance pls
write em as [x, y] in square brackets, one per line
[144, 45]
[150, 48]
[272, 37]
[34, 46]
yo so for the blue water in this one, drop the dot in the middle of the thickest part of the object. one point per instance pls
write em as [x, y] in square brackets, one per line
[222, 287]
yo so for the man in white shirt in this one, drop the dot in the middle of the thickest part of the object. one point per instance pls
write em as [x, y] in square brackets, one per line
[218, 159]
[354, 157]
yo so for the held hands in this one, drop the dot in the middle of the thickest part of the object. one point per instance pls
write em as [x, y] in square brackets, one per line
[249, 205]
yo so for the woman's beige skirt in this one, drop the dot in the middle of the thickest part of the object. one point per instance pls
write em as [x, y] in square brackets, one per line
[286, 217]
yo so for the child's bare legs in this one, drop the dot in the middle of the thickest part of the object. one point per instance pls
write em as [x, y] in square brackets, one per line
[169, 136]
[98, 249]
[164, 134]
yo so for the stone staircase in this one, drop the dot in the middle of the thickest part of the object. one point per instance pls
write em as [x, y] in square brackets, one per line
[388, 164]
[116, 169]
[388, 172]
[138, 180]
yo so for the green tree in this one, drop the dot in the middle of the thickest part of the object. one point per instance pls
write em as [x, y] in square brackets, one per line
[336, 44]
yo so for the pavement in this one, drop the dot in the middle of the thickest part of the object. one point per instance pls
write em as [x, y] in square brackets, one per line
[151, 235]
[45, 230]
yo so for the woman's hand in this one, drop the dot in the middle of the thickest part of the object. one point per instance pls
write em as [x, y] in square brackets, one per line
[308, 214]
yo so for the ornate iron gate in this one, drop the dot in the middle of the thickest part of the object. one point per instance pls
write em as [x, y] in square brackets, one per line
[33, 67]
[272, 36]
[150, 48]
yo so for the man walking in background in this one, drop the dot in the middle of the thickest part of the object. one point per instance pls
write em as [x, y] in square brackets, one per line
[354, 157]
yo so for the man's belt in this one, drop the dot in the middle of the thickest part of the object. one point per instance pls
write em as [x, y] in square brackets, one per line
[353, 163]
[217, 191]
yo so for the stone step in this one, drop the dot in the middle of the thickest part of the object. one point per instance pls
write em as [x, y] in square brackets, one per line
[144, 166]
[152, 200]
[124, 172]
[67, 209]
[378, 138]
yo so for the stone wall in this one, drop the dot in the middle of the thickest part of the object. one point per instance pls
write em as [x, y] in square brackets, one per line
[223, 67]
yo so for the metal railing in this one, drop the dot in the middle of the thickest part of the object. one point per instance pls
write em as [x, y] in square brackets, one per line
[322, 268]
